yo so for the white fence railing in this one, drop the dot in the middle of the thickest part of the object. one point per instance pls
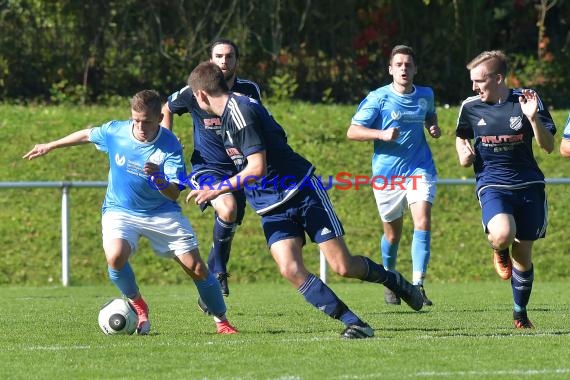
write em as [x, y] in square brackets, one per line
[65, 186]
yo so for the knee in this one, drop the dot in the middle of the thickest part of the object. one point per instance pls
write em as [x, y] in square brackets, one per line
[422, 224]
[293, 272]
[227, 212]
[392, 238]
[342, 268]
[194, 266]
[200, 272]
[289, 272]
[116, 261]
[501, 239]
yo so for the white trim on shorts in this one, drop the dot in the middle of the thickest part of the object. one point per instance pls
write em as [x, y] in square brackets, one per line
[170, 233]
[194, 181]
[392, 200]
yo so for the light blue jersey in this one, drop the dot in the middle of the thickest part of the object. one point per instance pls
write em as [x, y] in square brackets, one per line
[567, 128]
[129, 189]
[385, 108]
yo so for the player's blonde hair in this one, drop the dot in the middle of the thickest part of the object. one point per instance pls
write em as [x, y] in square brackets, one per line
[495, 60]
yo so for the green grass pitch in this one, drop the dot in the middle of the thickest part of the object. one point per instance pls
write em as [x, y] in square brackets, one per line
[52, 333]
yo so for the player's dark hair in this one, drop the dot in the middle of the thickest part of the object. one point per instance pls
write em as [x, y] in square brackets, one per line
[147, 101]
[223, 41]
[403, 49]
[208, 77]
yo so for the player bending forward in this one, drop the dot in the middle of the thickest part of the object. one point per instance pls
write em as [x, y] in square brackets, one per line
[145, 164]
[290, 200]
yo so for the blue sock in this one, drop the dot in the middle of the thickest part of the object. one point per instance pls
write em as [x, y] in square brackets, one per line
[420, 254]
[221, 245]
[521, 282]
[124, 279]
[323, 298]
[389, 253]
[376, 272]
[211, 293]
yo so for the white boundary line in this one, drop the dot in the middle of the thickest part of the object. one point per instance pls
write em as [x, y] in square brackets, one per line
[513, 372]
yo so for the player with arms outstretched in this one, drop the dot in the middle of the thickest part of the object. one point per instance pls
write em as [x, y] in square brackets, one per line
[145, 179]
[502, 123]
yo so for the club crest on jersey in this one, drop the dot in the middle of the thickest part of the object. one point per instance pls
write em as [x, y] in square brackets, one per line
[422, 103]
[515, 123]
[119, 160]
[396, 115]
[157, 157]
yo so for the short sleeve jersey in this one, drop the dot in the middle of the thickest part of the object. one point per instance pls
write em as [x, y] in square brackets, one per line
[386, 108]
[502, 140]
[248, 128]
[567, 128]
[208, 146]
[129, 189]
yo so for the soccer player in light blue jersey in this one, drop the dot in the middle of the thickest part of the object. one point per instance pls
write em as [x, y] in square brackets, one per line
[394, 117]
[494, 134]
[565, 143]
[281, 187]
[144, 182]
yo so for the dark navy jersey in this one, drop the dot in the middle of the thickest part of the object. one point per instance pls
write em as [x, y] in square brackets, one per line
[502, 140]
[248, 128]
[208, 146]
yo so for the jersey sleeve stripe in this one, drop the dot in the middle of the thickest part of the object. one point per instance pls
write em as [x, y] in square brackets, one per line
[236, 114]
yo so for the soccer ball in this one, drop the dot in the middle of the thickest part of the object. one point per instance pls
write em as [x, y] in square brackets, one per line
[118, 317]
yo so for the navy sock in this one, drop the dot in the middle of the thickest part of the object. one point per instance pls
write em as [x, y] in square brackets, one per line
[323, 298]
[221, 245]
[375, 273]
[390, 281]
[521, 283]
[124, 280]
[211, 293]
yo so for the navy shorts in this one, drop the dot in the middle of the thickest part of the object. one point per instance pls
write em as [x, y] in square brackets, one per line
[206, 178]
[528, 206]
[310, 211]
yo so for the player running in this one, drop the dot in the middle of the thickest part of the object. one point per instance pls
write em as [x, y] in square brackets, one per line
[509, 184]
[281, 187]
[394, 117]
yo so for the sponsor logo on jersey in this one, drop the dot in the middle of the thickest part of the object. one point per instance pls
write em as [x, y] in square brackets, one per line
[119, 160]
[503, 139]
[235, 156]
[515, 123]
[213, 123]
